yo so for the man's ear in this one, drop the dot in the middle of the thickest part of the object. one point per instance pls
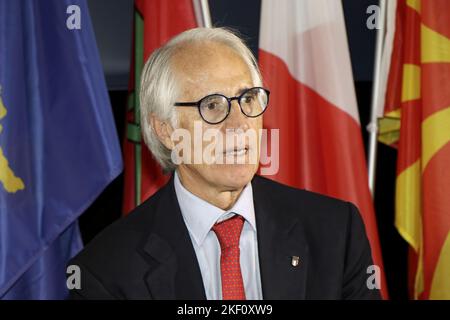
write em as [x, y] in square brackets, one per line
[163, 130]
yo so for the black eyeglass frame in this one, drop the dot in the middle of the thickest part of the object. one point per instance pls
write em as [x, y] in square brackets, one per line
[238, 98]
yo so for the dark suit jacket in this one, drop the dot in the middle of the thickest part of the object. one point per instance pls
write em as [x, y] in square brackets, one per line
[149, 254]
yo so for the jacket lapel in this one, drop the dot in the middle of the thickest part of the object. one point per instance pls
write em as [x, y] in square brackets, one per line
[173, 268]
[283, 251]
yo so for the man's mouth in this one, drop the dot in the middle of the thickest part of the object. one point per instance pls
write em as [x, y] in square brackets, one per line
[236, 152]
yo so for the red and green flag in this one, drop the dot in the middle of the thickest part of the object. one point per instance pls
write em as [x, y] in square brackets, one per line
[155, 22]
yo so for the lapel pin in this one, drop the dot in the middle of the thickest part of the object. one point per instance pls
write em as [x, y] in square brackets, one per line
[295, 261]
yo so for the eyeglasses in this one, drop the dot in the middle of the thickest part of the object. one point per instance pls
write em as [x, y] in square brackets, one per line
[215, 108]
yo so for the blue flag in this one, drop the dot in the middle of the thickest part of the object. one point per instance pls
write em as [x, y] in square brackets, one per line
[58, 144]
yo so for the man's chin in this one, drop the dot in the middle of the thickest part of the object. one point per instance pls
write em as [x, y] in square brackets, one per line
[236, 175]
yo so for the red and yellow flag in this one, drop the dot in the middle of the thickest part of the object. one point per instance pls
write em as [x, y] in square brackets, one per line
[418, 98]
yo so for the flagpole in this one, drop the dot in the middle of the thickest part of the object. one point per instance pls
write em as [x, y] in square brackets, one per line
[203, 15]
[372, 127]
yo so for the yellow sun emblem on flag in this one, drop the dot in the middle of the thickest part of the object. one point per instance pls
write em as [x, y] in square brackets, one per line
[420, 99]
[10, 182]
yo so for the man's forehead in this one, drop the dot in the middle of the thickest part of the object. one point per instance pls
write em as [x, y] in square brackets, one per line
[211, 68]
[205, 54]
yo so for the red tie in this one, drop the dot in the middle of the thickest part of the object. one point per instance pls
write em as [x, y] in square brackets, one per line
[228, 232]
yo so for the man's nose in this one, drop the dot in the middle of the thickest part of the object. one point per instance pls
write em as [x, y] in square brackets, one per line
[236, 119]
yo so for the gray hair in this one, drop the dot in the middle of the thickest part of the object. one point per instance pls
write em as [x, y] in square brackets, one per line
[158, 88]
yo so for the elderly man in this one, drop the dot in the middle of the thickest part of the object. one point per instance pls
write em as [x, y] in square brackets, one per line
[217, 230]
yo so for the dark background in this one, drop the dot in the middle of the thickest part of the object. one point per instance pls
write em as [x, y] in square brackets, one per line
[112, 22]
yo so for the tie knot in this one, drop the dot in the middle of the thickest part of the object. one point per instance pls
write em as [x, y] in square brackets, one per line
[229, 231]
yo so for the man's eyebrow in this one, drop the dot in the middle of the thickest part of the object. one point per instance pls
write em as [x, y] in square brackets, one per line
[241, 90]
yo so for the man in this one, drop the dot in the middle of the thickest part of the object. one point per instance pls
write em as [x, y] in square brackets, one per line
[217, 230]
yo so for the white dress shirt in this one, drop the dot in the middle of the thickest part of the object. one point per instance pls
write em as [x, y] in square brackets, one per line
[199, 217]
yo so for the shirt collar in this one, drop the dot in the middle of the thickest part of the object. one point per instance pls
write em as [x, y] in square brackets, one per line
[200, 216]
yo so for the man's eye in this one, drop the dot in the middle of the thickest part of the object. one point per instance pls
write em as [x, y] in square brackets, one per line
[211, 106]
[248, 99]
